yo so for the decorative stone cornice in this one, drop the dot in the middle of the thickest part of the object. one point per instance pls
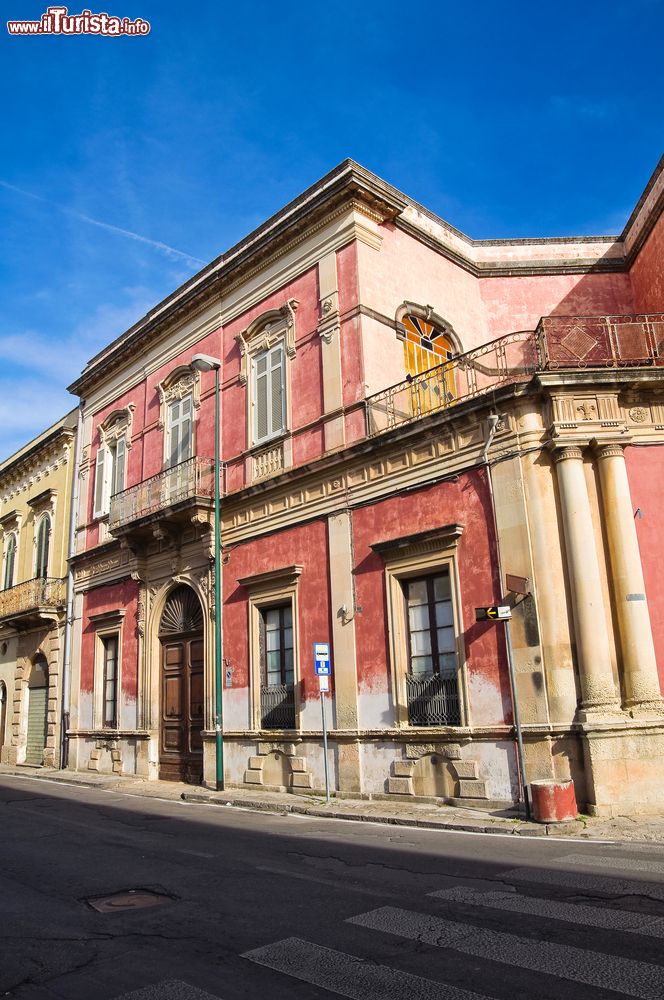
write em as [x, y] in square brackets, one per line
[285, 576]
[421, 543]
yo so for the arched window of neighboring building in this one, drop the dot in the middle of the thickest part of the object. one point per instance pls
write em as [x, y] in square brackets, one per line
[43, 544]
[10, 561]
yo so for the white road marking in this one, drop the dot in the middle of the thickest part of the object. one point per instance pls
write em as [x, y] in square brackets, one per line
[349, 976]
[621, 864]
[171, 989]
[624, 975]
[608, 918]
[587, 883]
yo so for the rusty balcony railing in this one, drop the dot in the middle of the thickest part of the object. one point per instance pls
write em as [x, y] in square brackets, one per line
[189, 480]
[513, 358]
[600, 341]
[32, 595]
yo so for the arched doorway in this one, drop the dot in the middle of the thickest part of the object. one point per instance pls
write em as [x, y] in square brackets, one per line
[37, 712]
[3, 714]
[182, 687]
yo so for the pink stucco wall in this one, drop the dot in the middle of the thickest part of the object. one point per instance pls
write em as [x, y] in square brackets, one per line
[647, 272]
[645, 469]
[306, 546]
[101, 600]
[466, 501]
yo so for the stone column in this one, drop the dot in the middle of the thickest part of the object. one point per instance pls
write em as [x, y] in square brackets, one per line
[641, 681]
[599, 696]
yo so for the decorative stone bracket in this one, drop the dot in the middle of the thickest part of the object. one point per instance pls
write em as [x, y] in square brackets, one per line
[464, 772]
[110, 745]
[292, 766]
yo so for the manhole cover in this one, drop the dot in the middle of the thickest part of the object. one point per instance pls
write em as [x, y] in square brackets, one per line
[128, 899]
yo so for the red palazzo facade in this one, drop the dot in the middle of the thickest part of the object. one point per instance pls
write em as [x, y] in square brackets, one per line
[413, 425]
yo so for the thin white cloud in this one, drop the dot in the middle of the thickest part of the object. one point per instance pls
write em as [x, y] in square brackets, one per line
[156, 244]
[64, 358]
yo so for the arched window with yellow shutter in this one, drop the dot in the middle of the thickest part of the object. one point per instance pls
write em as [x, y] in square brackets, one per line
[427, 347]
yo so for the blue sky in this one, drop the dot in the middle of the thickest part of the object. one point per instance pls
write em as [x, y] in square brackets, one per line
[506, 119]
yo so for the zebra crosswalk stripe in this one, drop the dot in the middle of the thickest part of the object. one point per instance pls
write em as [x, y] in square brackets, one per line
[349, 976]
[647, 924]
[580, 880]
[621, 864]
[624, 975]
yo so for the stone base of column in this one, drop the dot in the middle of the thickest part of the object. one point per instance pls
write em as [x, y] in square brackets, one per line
[649, 709]
[624, 770]
[598, 713]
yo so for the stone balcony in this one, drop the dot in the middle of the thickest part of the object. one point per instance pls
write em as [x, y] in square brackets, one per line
[559, 342]
[33, 602]
[171, 495]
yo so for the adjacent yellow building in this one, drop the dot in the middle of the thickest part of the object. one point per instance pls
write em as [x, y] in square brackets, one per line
[35, 507]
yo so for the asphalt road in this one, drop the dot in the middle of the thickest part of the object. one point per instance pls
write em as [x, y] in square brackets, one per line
[260, 905]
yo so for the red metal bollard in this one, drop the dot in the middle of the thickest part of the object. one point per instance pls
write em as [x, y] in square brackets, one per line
[553, 801]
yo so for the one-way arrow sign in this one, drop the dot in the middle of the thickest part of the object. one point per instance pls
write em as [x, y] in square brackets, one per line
[494, 613]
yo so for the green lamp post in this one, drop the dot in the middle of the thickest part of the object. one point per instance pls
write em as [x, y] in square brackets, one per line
[206, 363]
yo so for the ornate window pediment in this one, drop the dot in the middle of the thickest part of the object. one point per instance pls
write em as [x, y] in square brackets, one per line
[182, 381]
[111, 460]
[118, 424]
[267, 330]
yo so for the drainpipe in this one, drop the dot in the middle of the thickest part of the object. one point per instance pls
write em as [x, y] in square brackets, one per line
[69, 618]
[493, 420]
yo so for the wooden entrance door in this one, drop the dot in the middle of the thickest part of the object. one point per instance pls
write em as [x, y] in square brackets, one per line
[181, 749]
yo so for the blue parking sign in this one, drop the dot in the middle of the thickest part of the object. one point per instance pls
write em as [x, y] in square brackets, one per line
[322, 659]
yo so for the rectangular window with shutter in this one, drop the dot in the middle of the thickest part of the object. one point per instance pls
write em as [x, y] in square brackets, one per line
[179, 431]
[110, 681]
[269, 394]
[109, 474]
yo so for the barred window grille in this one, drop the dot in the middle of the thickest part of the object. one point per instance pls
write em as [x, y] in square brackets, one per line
[277, 668]
[431, 683]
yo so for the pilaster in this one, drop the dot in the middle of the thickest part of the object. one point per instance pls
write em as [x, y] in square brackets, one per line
[329, 329]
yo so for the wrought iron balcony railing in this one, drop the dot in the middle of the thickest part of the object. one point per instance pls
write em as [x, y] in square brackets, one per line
[558, 342]
[47, 593]
[433, 700]
[600, 341]
[510, 359]
[278, 706]
[189, 480]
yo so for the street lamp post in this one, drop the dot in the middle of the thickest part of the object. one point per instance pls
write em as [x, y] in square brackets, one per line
[206, 363]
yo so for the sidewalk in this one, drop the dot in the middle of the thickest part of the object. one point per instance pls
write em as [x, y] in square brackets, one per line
[424, 815]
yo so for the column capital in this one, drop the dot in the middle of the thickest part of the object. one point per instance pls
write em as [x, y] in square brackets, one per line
[610, 449]
[567, 451]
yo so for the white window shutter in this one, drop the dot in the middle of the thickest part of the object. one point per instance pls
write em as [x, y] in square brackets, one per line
[119, 470]
[261, 391]
[101, 477]
[277, 390]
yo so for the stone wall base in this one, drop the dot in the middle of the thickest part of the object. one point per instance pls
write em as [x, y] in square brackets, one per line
[625, 770]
